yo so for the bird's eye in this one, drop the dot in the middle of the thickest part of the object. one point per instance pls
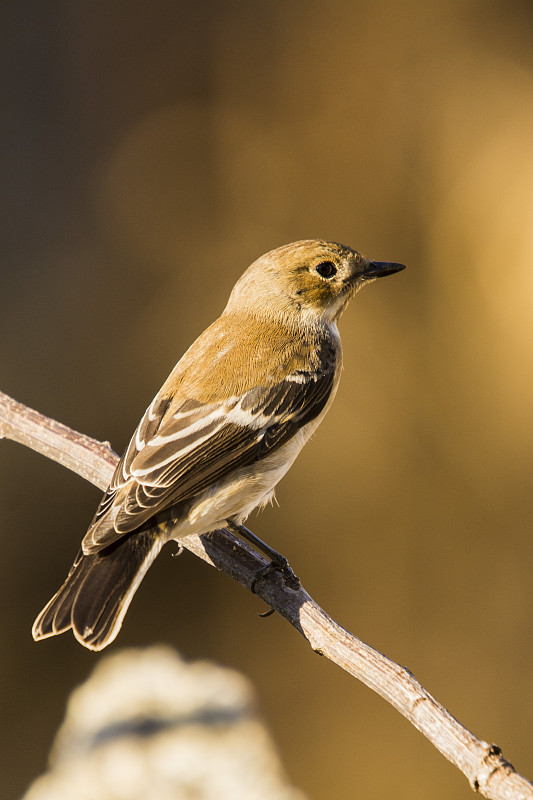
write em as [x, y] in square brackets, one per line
[326, 269]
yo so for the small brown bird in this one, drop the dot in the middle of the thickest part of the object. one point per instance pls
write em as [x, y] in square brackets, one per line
[221, 432]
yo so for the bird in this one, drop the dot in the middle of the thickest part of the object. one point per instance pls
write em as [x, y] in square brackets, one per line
[221, 432]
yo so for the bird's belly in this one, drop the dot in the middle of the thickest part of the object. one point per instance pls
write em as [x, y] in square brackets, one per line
[246, 489]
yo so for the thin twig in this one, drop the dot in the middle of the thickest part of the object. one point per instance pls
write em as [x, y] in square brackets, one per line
[483, 764]
[95, 461]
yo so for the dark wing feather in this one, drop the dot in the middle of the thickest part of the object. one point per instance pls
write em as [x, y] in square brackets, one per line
[146, 430]
[172, 459]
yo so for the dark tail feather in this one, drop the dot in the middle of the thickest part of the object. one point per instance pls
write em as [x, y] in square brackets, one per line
[98, 590]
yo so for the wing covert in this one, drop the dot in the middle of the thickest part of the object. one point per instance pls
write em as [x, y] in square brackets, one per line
[173, 456]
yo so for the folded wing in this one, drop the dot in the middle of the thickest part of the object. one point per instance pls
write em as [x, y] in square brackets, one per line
[175, 454]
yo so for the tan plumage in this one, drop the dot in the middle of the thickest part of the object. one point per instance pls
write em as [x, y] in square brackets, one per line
[221, 432]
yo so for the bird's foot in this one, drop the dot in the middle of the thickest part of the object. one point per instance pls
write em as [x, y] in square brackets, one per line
[278, 564]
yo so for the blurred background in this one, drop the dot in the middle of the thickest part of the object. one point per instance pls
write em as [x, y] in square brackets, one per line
[149, 152]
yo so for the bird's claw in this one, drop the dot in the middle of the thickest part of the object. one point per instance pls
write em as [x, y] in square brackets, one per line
[279, 564]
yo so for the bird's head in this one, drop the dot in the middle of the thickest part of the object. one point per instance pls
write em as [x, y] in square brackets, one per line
[309, 280]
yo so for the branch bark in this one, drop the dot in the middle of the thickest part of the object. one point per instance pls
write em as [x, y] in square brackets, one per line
[483, 764]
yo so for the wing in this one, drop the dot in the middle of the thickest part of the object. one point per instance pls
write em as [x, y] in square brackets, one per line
[175, 455]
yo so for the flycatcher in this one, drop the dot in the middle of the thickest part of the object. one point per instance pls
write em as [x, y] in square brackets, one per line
[221, 432]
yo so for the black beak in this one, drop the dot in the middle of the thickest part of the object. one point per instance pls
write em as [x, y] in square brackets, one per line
[378, 269]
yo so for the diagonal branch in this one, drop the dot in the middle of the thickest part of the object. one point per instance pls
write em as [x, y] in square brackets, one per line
[95, 461]
[483, 764]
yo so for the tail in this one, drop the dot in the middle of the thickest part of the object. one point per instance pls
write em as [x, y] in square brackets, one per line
[98, 590]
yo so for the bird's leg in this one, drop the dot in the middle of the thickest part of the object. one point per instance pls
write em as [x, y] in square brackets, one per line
[277, 560]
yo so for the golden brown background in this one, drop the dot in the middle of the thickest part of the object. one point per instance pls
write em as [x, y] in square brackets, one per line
[149, 152]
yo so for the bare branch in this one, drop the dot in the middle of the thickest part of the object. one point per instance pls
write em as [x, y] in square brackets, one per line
[94, 461]
[483, 764]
